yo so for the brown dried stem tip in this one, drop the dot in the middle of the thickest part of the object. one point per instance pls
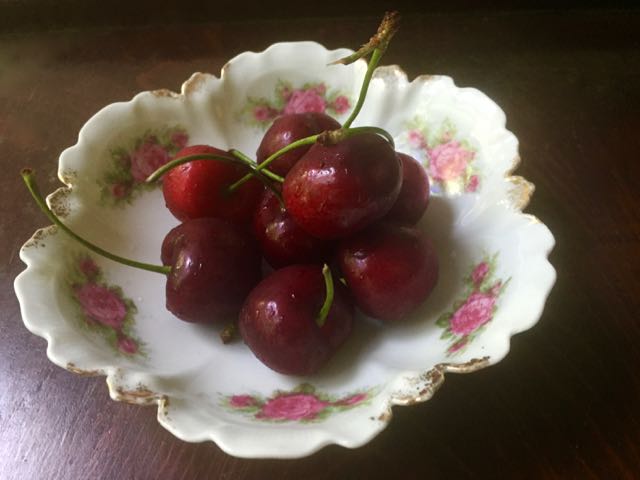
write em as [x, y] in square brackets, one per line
[228, 333]
[387, 29]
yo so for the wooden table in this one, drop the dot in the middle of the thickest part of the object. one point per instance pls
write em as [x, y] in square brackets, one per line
[564, 403]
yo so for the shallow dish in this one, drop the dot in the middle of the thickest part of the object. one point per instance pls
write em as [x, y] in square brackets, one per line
[102, 318]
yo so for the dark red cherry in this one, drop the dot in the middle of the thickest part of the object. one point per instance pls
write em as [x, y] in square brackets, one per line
[390, 270]
[214, 266]
[283, 242]
[198, 189]
[278, 320]
[414, 193]
[285, 130]
[335, 190]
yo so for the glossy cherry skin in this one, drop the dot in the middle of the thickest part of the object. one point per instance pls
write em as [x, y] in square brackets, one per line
[390, 270]
[214, 266]
[198, 189]
[282, 241]
[285, 130]
[278, 320]
[335, 190]
[414, 193]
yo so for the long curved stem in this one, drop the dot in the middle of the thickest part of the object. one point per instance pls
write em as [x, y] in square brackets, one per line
[208, 156]
[371, 66]
[29, 180]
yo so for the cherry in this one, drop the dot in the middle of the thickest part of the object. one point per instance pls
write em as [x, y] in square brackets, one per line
[336, 190]
[283, 242]
[214, 265]
[287, 129]
[414, 192]
[279, 319]
[390, 269]
[199, 188]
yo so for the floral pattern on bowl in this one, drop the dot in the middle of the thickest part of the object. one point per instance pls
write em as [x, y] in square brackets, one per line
[131, 165]
[449, 159]
[310, 97]
[245, 408]
[102, 307]
[475, 308]
[302, 404]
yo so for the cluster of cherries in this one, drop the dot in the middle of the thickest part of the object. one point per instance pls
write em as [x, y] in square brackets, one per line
[330, 208]
[349, 206]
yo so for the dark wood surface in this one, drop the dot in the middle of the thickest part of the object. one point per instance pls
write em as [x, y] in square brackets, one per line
[563, 404]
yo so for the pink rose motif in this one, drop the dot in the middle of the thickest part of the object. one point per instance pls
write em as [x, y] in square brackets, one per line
[101, 305]
[89, 268]
[352, 400]
[473, 184]
[478, 274]
[458, 345]
[302, 101]
[341, 104]
[262, 113]
[475, 312]
[147, 159]
[179, 139]
[120, 190]
[417, 140]
[449, 160]
[298, 406]
[242, 401]
[127, 344]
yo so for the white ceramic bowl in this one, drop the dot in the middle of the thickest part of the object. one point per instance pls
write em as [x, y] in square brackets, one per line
[102, 318]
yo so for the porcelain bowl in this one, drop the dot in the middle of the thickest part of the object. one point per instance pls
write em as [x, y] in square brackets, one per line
[102, 318]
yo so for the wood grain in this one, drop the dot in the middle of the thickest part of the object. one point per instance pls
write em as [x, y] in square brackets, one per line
[564, 404]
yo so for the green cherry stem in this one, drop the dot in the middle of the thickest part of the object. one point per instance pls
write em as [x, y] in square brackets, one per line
[371, 66]
[332, 137]
[176, 162]
[207, 156]
[293, 145]
[259, 176]
[30, 182]
[254, 167]
[328, 299]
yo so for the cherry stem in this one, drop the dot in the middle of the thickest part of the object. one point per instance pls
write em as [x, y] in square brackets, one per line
[255, 167]
[328, 299]
[332, 137]
[29, 180]
[373, 63]
[238, 154]
[244, 160]
[260, 167]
